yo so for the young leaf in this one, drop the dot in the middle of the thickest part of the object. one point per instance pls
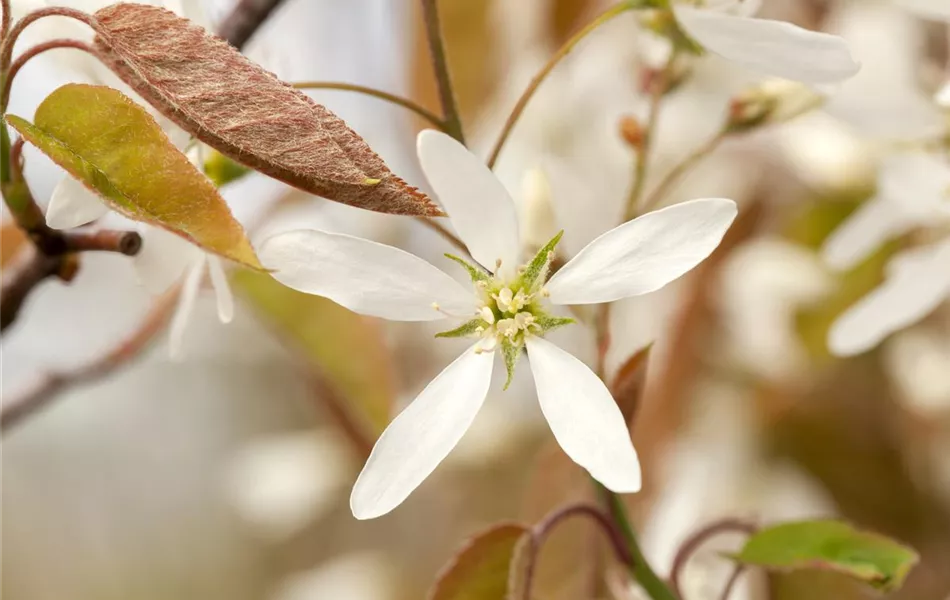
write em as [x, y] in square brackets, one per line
[233, 105]
[629, 383]
[832, 545]
[116, 149]
[480, 570]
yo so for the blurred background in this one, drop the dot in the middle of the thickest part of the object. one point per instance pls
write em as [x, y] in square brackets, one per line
[226, 475]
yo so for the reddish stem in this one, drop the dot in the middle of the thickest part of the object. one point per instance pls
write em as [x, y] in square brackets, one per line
[34, 51]
[689, 547]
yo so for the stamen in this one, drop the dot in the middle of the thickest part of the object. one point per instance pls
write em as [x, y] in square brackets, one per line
[487, 315]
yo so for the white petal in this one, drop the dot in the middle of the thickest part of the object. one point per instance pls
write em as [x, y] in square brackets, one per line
[163, 259]
[365, 277]
[872, 224]
[222, 290]
[773, 47]
[186, 304]
[644, 254]
[422, 435]
[916, 284]
[918, 183]
[584, 417]
[72, 204]
[477, 203]
[929, 9]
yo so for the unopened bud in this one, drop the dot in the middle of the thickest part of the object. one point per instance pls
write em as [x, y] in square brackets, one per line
[632, 131]
[774, 101]
[539, 223]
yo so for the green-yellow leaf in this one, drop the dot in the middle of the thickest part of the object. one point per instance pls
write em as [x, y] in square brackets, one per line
[480, 570]
[344, 348]
[115, 148]
[831, 545]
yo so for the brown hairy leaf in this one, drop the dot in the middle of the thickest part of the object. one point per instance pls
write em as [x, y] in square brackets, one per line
[630, 381]
[212, 91]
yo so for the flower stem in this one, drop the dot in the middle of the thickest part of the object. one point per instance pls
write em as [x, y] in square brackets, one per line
[452, 122]
[658, 89]
[689, 547]
[7, 19]
[640, 569]
[541, 75]
[423, 112]
[16, 65]
[687, 164]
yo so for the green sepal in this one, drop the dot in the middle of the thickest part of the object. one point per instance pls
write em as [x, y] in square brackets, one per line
[463, 330]
[546, 323]
[537, 270]
[511, 351]
[475, 272]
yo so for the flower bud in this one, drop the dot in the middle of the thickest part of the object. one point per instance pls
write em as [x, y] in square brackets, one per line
[773, 101]
[539, 223]
[632, 131]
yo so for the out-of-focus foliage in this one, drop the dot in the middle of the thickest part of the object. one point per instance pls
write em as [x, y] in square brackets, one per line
[833, 545]
[483, 568]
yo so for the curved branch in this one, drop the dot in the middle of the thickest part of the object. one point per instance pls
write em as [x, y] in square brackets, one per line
[692, 543]
[6, 19]
[385, 96]
[541, 531]
[6, 51]
[541, 75]
[49, 385]
[34, 51]
[245, 19]
[452, 122]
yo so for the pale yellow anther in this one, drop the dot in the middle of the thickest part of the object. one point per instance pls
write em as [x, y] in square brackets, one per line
[487, 315]
[524, 320]
[545, 292]
[435, 306]
[506, 327]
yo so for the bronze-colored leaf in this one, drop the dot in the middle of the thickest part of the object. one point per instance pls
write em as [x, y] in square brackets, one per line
[212, 91]
[482, 569]
[630, 381]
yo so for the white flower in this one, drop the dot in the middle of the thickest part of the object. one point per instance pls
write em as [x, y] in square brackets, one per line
[164, 259]
[771, 47]
[506, 309]
[912, 192]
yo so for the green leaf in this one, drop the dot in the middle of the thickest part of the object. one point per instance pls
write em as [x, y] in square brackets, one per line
[222, 170]
[475, 272]
[345, 349]
[537, 270]
[116, 149]
[511, 351]
[831, 545]
[481, 569]
[463, 330]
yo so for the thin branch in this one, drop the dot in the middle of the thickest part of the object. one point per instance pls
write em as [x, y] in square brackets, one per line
[51, 384]
[7, 19]
[737, 572]
[245, 19]
[445, 233]
[539, 78]
[689, 547]
[640, 569]
[450, 111]
[104, 240]
[20, 280]
[34, 51]
[541, 531]
[423, 112]
[681, 169]
[658, 87]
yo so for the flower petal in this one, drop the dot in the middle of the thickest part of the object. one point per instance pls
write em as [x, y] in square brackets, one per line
[872, 224]
[645, 254]
[918, 281]
[422, 435]
[186, 305]
[584, 417]
[222, 290]
[72, 205]
[773, 47]
[365, 277]
[938, 10]
[918, 184]
[163, 259]
[477, 203]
